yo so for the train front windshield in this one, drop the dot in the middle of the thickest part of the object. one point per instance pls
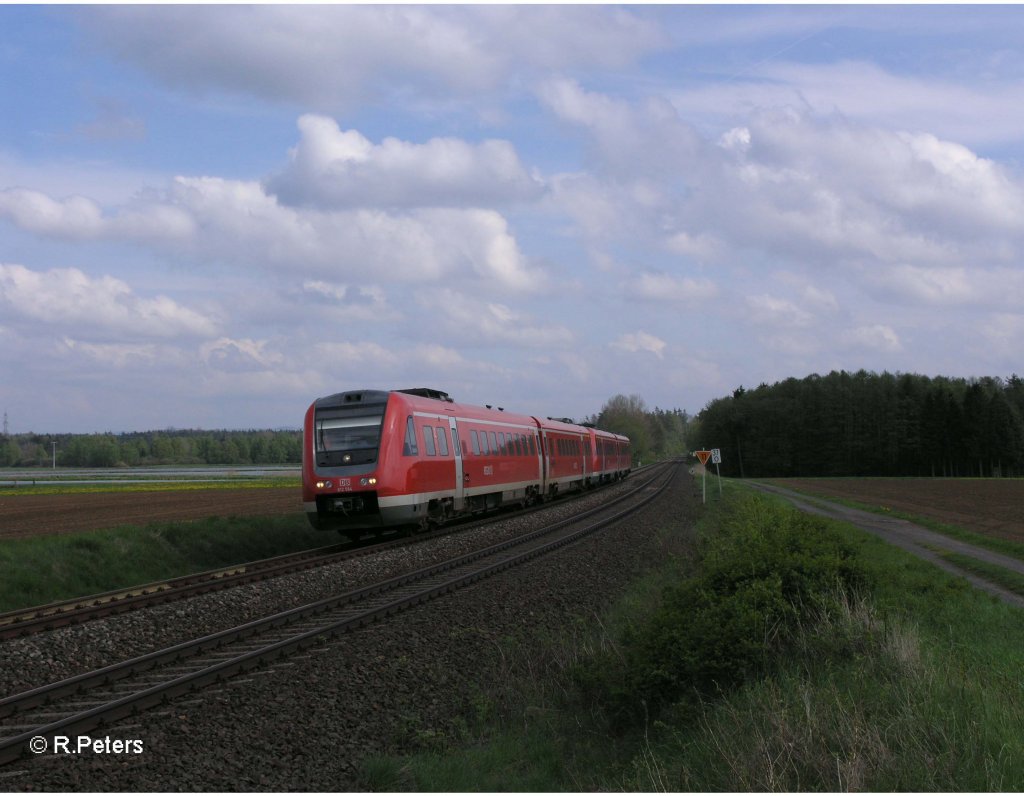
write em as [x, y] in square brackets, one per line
[348, 436]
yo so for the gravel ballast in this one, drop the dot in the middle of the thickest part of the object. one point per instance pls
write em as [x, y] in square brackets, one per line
[305, 723]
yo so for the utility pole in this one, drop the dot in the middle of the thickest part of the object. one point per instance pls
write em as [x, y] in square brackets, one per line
[54, 455]
[6, 429]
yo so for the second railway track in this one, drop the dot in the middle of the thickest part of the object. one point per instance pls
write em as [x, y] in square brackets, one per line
[63, 613]
[83, 702]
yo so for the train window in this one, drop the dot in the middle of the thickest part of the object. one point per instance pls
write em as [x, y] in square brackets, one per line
[455, 442]
[409, 448]
[428, 440]
[533, 445]
[517, 442]
[494, 443]
[502, 448]
[442, 441]
[483, 443]
[476, 441]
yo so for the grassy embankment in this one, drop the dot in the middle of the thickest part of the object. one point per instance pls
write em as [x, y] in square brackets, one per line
[796, 654]
[43, 569]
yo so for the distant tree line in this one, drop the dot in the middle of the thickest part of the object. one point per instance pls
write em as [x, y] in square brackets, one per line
[654, 434]
[865, 423]
[180, 447]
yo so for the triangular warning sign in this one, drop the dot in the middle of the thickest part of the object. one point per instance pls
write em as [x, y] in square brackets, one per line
[703, 456]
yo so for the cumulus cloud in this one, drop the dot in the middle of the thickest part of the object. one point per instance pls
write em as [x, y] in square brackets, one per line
[471, 321]
[80, 218]
[117, 355]
[660, 286]
[789, 184]
[982, 112]
[958, 286]
[640, 341]
[232, 355]
[645, 138]
[238, 222]
[329, 57]
[876, 337]
[362, 302]
[826, 187]
[777, 312]
[334, 168]
[67, 298]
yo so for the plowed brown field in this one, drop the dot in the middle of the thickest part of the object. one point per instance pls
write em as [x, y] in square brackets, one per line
[994, 507]
[30, 515]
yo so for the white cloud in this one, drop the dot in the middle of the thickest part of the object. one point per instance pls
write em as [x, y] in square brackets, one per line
[787, 183]
[979, 112]
[957, 286]
[67, 298]
[75, 217]
[230, 355]
[334, 168]
[117, 355]
[659, 286]
[80, 218]
[473, 321]
[640, 341]
[237, 222]
[1003, 333]
[877, 337]
[646, 138]
[330, 57]
[777, 312]
[347, 303]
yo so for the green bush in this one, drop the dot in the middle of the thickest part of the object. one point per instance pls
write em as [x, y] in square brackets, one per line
[764, 573]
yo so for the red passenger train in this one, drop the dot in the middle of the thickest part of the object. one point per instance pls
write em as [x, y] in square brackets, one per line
[375, 459]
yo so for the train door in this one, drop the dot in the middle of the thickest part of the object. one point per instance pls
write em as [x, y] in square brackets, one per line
[460, 482]
[546, 459]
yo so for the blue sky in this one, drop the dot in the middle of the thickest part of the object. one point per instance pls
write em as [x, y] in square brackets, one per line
[210, 216]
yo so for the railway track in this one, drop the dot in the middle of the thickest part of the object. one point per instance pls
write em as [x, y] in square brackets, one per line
[24, 622]
[81, 703]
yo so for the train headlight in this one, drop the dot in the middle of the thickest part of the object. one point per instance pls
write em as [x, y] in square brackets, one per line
[371, 481]
[323, 485]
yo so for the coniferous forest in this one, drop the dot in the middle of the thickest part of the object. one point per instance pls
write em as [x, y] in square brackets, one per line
[868, 424]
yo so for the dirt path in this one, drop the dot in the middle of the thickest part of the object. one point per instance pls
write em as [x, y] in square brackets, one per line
[992, 506]
[908, 536]
[32, 515]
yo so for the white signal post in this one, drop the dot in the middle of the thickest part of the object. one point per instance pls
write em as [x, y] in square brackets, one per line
[716, 459]
[703, 457]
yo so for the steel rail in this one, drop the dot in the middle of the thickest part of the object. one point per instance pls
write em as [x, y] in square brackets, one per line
[432, 582]
[63, 613]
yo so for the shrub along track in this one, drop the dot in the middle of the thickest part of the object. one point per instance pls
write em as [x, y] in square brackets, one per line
[430, 582]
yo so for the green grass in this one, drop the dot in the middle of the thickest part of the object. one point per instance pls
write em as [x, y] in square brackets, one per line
[898, 678]
[1008, 579]
[45, 569]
